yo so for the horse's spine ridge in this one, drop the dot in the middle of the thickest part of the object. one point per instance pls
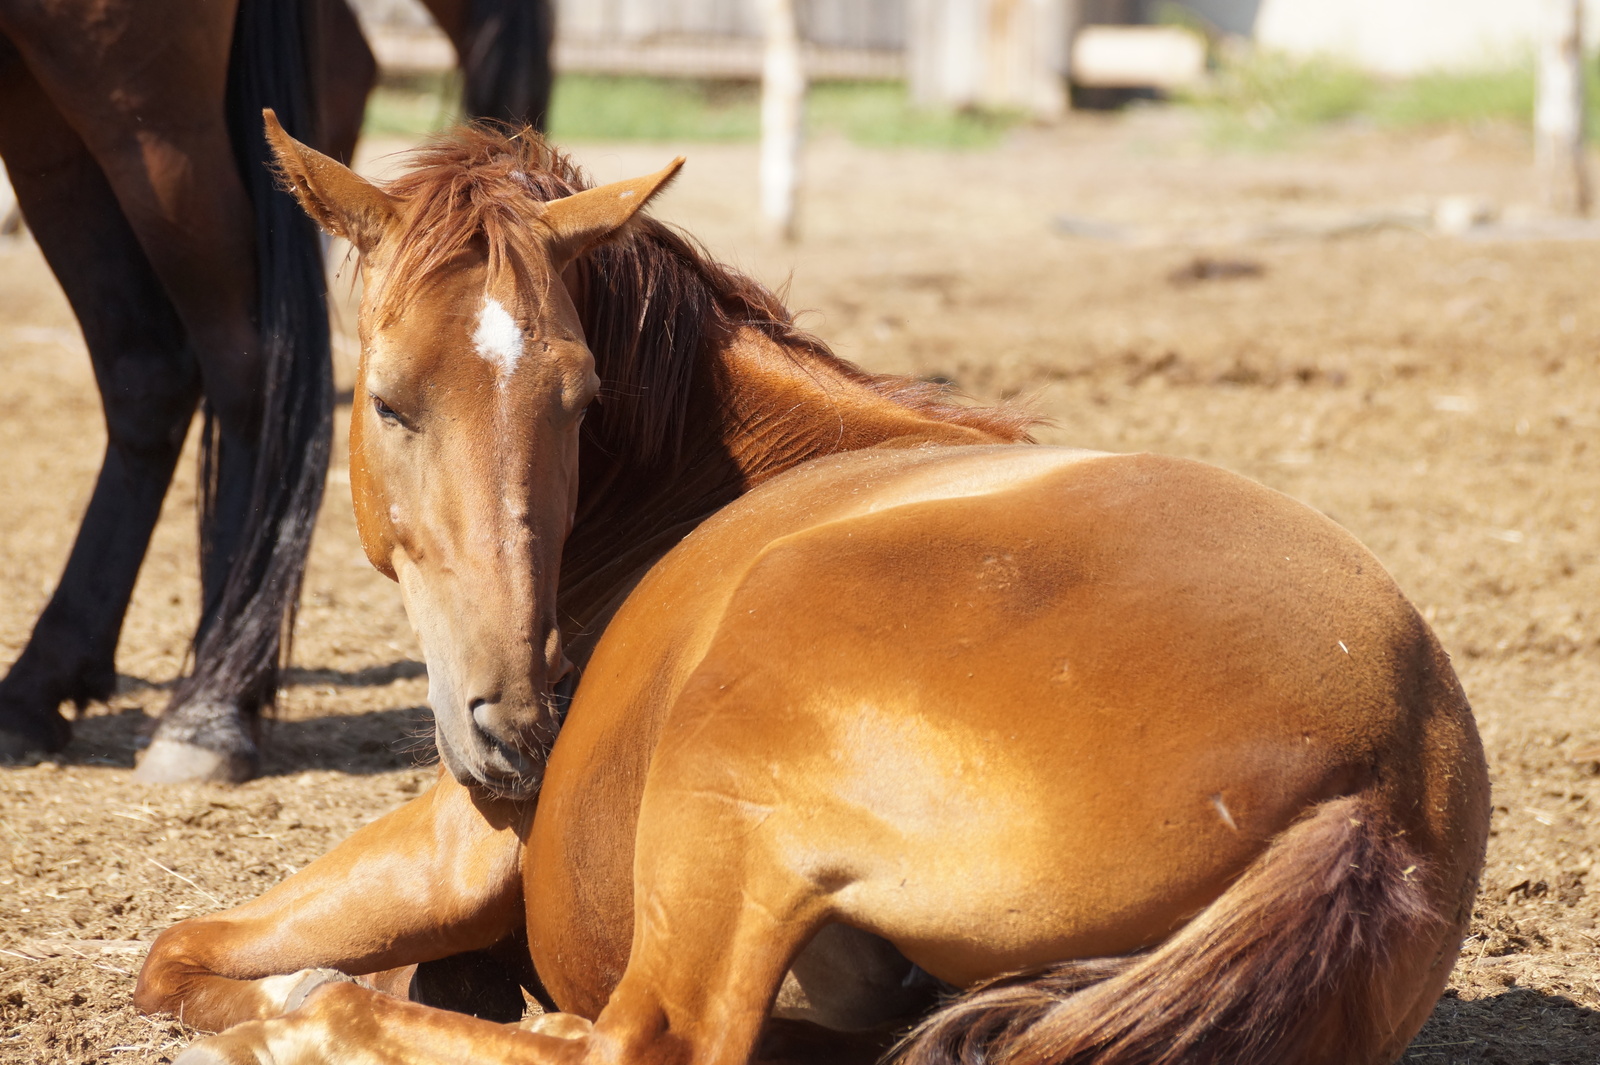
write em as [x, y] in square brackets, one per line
[1286, 967]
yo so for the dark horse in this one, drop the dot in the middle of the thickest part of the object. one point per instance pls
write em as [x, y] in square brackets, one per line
[133, 137]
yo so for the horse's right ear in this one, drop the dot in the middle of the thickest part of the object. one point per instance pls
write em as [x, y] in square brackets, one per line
[337, 198]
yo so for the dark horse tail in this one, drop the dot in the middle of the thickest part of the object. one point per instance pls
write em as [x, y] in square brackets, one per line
[1286, 967]
[505, 60]
[248, 626]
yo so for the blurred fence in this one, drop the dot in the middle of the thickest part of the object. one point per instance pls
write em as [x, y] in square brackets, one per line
[844, 39]
[876, 25]
[848, 39]
[1013, 54]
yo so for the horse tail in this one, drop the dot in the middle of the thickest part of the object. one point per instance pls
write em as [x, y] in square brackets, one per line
[505, 60]
[1287, 965]
[248, 628]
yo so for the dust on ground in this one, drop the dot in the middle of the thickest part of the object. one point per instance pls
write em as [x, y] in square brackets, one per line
[1295, 317]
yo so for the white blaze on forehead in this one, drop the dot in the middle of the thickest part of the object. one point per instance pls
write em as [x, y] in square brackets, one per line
[497, 338]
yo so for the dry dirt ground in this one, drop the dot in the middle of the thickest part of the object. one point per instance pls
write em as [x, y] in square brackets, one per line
[1289, 316]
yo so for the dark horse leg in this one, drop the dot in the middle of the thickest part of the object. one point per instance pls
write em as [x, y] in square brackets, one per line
[345, 74]
[149, 383]
[145, 99]
[504, 50]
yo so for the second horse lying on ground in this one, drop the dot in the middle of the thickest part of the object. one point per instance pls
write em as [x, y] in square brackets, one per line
[887, 718]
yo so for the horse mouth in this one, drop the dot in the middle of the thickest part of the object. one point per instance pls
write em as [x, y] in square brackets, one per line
[515, 786]
[501, 772]
[502, 768]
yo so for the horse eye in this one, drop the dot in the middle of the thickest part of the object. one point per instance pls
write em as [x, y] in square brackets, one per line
[386, 412]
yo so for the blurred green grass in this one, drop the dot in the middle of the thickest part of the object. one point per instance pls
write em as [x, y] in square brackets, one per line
[589, 107]
[413, 106]
[1265, 100]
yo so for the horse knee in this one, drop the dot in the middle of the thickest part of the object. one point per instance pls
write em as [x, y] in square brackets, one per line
[149, 402]
[171, 969]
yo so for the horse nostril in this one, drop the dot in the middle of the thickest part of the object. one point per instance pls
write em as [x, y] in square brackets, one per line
[486, 716]
[482, 711]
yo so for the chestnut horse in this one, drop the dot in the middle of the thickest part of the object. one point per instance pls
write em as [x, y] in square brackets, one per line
[887, 717]
[195, 280]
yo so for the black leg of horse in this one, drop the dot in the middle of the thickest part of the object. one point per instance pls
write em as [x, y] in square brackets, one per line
[345, 73]
[504, 49]
[148, 382]
[506, 61]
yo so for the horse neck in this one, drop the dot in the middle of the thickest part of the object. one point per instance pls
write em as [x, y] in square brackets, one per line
[755, 411]
[782, 408]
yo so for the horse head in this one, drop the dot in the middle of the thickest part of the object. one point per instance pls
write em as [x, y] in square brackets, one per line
[473, 381]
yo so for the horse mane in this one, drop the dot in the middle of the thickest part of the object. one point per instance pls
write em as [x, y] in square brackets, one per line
[650, 299]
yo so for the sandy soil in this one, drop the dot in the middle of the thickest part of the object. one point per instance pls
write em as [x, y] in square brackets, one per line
[1290, 316]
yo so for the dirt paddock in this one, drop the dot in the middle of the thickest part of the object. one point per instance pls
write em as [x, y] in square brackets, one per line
[1293, 316]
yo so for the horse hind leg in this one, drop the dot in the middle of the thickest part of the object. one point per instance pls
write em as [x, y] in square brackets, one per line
[149, 384]
[1321, 953]
[504, 50]
[345, 74]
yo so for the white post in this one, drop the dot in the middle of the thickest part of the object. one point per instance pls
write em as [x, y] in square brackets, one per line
[945, 43]
[1559, 112]
[783, 106]
[994, 53]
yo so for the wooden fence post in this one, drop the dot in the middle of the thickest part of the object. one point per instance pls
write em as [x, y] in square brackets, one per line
[993, 53]
[1559, 114]
[944, 51]
[783, 105]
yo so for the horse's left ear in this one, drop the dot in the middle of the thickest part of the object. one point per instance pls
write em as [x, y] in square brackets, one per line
[336, 197]
[585, 219]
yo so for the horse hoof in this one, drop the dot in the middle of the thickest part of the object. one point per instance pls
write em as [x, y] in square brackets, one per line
[26, 748]
[176, 762]
[309, 982]
[559, 1025]
[200, 1054]
[225, 1049]
[31, 728]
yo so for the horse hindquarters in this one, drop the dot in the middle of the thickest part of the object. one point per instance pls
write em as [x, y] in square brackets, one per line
[1308, 958]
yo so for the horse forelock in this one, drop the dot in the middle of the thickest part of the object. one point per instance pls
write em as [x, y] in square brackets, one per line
[477, 186]
[649, 300]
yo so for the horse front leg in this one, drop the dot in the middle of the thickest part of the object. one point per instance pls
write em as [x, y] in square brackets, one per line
[352, 1025]
[148, 381]
[712, 941]
[436, 878]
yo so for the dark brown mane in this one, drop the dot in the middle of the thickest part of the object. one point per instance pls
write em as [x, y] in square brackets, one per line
[649, 301]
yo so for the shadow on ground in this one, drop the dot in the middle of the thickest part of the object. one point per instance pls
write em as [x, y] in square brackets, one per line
[371, 677]
[377, 741]
[1516, 1027]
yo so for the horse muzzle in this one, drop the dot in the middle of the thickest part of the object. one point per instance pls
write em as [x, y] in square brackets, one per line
[495, 751]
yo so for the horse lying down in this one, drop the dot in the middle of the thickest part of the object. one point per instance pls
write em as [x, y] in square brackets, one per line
[896, 733]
